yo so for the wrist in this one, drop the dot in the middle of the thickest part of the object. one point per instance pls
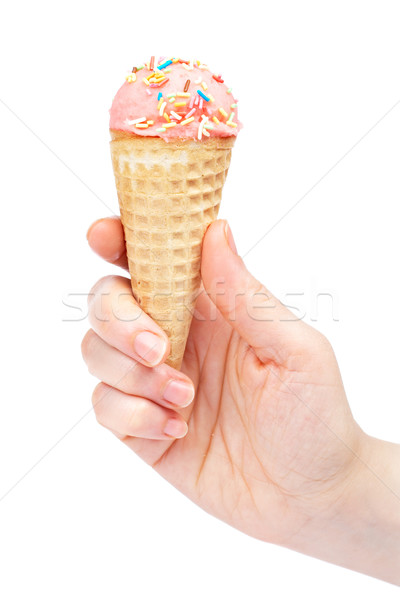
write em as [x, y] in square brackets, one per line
[359, 525]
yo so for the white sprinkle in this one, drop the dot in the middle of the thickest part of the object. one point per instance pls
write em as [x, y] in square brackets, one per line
[135, 121]
[162, 108]
[176, 116]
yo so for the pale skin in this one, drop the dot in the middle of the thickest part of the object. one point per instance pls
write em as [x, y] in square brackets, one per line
[256, 427]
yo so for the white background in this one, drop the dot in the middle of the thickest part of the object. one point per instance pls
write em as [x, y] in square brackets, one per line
[90, 520]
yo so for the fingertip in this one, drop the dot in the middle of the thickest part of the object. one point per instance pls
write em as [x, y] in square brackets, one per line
[106, 238]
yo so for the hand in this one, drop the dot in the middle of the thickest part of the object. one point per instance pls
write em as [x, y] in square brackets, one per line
[270, 445]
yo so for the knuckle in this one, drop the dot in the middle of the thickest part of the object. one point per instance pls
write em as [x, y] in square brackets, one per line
[137, 417]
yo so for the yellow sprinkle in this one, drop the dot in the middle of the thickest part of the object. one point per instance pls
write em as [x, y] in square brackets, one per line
[141, 125]
[145, 81]
[180, 104]
[170, 125]
[223, 112]
[212, 99]
[167, 70]
[150, 122]
[186, 121]
[215, 120]
[131, 77]
[166, 117]
[183, 94]
[175, 60]
[204, 85]
[161, 100]
[231, 124]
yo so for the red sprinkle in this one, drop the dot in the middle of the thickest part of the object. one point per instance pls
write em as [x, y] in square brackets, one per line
[152, 63]
[134, 69]
[218, 78]
[183, 61]
[185, 89]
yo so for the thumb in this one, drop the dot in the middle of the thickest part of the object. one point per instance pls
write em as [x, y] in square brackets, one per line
[271, 329]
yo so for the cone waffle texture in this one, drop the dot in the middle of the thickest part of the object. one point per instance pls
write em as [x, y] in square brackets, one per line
[169, 192]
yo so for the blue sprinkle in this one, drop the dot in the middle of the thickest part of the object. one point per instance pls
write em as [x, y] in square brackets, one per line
[159, 95]
[206, 98]
[165, 64]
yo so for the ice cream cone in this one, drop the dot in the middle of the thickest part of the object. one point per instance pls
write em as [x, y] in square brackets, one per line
[169, 192]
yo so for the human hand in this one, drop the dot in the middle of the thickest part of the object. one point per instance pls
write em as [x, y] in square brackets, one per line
[271, 446]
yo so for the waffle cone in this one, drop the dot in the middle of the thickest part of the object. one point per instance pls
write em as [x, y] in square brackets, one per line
[168, 192]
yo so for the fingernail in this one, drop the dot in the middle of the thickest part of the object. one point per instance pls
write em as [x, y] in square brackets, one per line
[179, 393]
[229, 239]
[175, 428]
[150, 347]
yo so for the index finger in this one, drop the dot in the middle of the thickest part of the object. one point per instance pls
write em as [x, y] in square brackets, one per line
[106, 238]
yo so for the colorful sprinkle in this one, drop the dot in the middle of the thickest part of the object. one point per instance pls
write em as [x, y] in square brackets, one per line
[152, 63]
[204, 85]
[229, 91]
[223, 112]
[190, 113]
[179, 104]
[159, 95]
[166, 117]
[206, 98]
[183, 94]
[167, 62]
[175, 115]
[130, 78]
[231, 123]
[185, 89]
[170, 124]
[163, 82]
[135, 121]
[231, 117]
[216, 120]
[186, 121]
[141, 125]
[234, 105]
[162, 108]
[161, 129]
[145, 81]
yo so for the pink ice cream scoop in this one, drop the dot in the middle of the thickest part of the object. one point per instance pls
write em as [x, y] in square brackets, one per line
[175, 99]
